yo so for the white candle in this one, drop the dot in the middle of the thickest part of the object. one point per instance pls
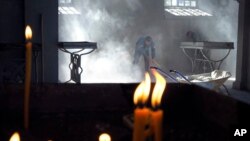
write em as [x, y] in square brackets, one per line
[104, 137]
[28, 61]
[15, 137]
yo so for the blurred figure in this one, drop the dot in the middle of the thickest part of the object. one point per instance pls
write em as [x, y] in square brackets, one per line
[144, 47]
[191, 36]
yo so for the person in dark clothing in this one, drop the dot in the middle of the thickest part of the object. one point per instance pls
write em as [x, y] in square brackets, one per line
[144, 47]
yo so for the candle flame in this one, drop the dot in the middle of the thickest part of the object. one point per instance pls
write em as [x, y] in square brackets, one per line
[142, 91]
[28, 32]
[158, 89]
[15, 137]
[104, 137]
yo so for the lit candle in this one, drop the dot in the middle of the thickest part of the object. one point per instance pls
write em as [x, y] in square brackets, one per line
[104, 137]
[28, 59]
[141, 113]
[15, 137]
[157, 114]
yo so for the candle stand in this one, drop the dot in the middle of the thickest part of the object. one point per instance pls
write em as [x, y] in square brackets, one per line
[199, 58]
[75, 57]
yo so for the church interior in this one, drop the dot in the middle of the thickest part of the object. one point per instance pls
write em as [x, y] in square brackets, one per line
[141, 70]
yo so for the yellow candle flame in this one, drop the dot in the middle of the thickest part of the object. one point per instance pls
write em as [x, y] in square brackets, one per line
[104, 137]
[15, 137]
[28, 33]
[142, 91]
[159, 88]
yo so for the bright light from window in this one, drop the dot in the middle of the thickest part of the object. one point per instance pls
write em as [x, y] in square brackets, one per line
[174, 2]
[180, 3]
[68, 10]
[187, 3]
[184, 8]
[168, 2]
[193, 3]
[64, 1]
[187, 12]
